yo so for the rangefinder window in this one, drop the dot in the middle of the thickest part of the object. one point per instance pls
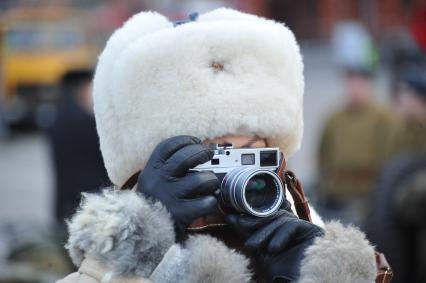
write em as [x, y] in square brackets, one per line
[247, 159]
[268, 158]
[215, 161]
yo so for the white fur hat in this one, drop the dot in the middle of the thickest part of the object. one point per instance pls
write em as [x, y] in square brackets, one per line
[225, 73]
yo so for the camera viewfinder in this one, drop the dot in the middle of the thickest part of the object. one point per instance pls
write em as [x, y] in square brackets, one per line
[247, 159]
[268, 158]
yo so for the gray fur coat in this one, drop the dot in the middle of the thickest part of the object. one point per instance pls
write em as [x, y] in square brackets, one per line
[122, 237]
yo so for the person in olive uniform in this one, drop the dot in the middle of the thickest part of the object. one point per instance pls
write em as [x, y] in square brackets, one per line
[411, 104]
[355, 142]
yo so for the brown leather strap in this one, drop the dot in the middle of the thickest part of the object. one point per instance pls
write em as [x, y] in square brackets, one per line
[384, 271]
[131, 182]
[296, 190]
[207, 223]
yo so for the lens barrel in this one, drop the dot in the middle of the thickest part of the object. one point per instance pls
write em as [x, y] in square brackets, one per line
[258, 192]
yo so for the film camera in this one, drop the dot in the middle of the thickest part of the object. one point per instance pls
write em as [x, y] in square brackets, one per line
[248, 178]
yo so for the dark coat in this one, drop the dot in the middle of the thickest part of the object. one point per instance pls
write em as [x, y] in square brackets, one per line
[76, 156]
[394, 228]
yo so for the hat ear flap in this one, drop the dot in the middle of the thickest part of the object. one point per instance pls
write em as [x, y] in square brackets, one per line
[133, 30]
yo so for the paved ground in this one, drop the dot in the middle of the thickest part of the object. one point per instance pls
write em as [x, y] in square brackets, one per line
[26, 179]
[25, 169]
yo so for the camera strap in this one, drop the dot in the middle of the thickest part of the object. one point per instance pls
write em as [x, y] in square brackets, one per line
[131, 182]
[384, 271]
[294, 187]
[296, 190]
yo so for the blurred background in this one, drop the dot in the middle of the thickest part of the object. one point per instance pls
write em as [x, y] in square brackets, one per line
[362, 160]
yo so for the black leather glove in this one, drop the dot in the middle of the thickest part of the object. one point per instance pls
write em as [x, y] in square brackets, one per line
[165, 178]
[278, 242]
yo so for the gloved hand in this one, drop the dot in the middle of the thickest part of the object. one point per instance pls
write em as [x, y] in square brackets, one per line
[278, 242]
[165, 178]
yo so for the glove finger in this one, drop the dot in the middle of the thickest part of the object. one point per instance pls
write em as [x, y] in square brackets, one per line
[168, 147]
[244, 225]
[195, 208]
[286, 205]
[282, 237]
[260, 238]
[251, 223]
[198, 184]
[246, 222]
[187, 158]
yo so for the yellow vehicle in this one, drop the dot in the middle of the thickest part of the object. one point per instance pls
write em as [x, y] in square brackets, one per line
[39, 45]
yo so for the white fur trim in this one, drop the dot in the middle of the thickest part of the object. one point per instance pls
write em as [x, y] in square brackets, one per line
[202, 259]
[210, 261]
[173, 267]
[154, 81]
[121, 230]
[342, 255]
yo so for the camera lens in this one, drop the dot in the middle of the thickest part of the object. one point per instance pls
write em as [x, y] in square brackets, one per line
[250, 190]
[258, 193]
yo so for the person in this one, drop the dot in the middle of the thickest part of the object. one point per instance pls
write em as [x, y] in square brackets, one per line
[162, 92]
[74, 144]
[397, 225]
[411, 105]
[355, 142]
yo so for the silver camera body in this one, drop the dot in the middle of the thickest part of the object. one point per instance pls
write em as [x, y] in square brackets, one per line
[248, 178]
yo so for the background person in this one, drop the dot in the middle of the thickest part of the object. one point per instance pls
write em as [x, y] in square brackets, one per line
[397, 223]
[411, 105]
[74, 145]
[355, 142]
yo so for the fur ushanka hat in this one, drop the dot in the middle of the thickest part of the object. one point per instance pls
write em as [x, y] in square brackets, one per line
[223, 73]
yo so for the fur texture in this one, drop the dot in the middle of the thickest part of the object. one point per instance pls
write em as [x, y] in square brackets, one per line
[342, 255]
[122, 230]
[202, 259]
[173, 267]
[226, 73]
[133, 237]
[210, 261]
